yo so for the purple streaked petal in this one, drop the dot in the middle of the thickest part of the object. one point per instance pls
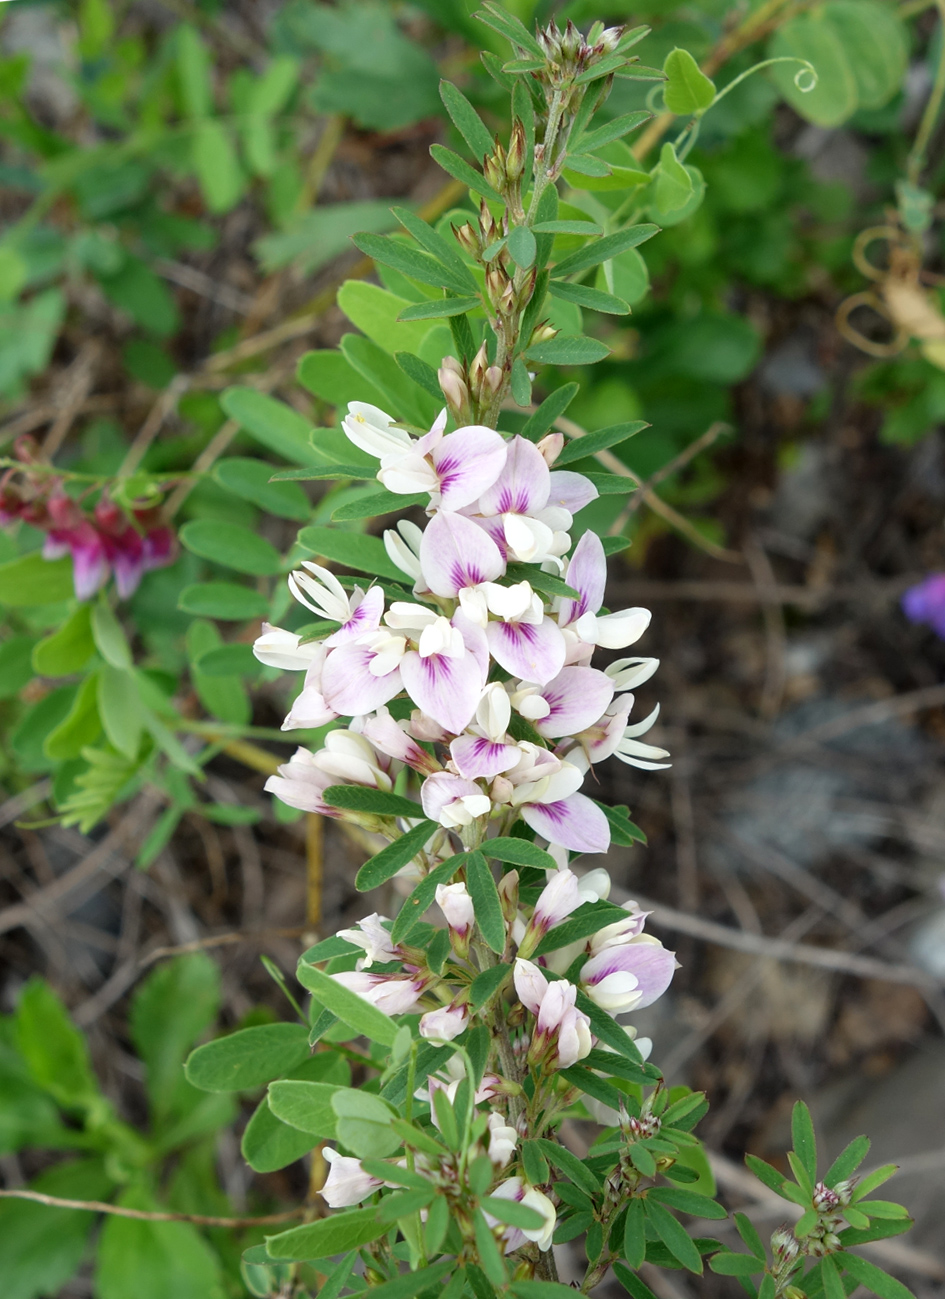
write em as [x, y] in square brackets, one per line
[587, 573]
[572, 491]
[348, 685]
[647, 960]
[365, 617]
[576, 823]
[532, 652]
[523, 485]
[441, 789]
[474, 638]
[389, 738]
[477, 757]
[89, 568]
[467, 463]
[308, 711]
[446, 689]
[455, 553]
[577, 697]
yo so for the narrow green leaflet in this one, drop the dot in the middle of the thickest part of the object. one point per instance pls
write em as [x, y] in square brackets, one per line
[601, 250]
[687, 90]
[593, 299]
[359, 1014]
[615, 130]
[518, 852]
[570, 1165]
[731, 1264]
[749, 1234]
[634, 1233]
[486, 984]
[587, 920]
[622, 829]
[873, 1277]
[323, 472]
[65, 650]
[674, 1236]
[422, 374]
[435, 244]
[568, 349]
[599, 440]
[272, 423]
[848, 1161]
[454, 166]
[250, 1057]
[440, 309]
[359, 798]
[353, 549]
[386, 863]
[409, 261]
[522, 247]
[485, 897]
[232, 546]
[411, 1283]
[251, 480]
[510, 1211]
[507, 25]
[109, 636]
[555, 404]
[330, 1236]
[119, 707]
[467, 121]
[612, 484]
[805, 1143]
[422, 897]
[371, 507]
[224, 600]
[700, 1206]
[567, 228]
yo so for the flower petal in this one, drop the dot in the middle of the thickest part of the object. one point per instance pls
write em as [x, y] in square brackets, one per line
[349, 686]
[365, 617]
[477, 757]
[455, 553]
[467, 463]
[523, 485]
[445, 688]
[572, 491]
[577, 698]
[587, 573]
[576, 823]
[534, 653]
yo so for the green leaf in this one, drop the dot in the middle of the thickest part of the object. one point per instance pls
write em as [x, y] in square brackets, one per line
[622, 829]
[731, 1264]
[81, 726]
[224, 600]
[364, 1123]
[873, 1277]
[879, 1209]
[119, 707]
[746, 1229]
[699, 1206]
[273, 424]
[674, 184]
[268, 1143]
[511, 1212]
[601, 250]
[613, 130]
[439, 309]
[485, 985]
[436, 245]
[330, 1236]
[175, 1004]
[360, 1015]
[109, 636]
[217, 166]
[512, 28]
[232, 546]
[687, 90]
[848, 1161]
[593, 299]
[251, 480]
[607, 1029]
[805, 1142]
[422, 897]
[467, 121]
[383, 502]
[386, 863]
[634, 1234]
[673, 1235]
[568, 227]
[874, 1179]
[568, 350]
[411, 1283]
[193, 72]
[592, 1085]
[632, 1283]
[486, 903]
[403, 257]
[518, 852]
[250, 1057]
[587, 920]
[876, 43]
[231, 660]
[562, 1159]
[417, 370]
[353, 549]
[67, 649]
[360, 472]
[600, 440]
[555, 404]
[359, 798]
[880, 1229]
[54, 1051]
[521, 383]
[152, 1260]
[32, 580]
[490, 1260]
[810, 37]
[454, 166]
[769, 1176]
[17, 657]
[522, 247]
[544, 582]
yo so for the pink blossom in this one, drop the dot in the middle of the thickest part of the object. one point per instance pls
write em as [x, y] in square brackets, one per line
[587, 573]
[569, 703]
[455, 553]
[371, 935]
[630, 975]
[514, 1237]
[394, 995]
[444, 1024]
[347, 1183]
[452, 801]
[390, 737]
[457, 907]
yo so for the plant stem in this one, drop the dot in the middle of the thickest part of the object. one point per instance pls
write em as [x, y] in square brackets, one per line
[916, 161]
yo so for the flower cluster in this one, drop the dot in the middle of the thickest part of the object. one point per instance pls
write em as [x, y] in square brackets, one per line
[481, 685]
[108, 540]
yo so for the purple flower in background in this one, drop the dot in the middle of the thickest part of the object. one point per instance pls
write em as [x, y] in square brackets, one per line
[926, 603]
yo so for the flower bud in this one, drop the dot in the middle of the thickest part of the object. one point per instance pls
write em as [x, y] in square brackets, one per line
[824, 1197]
[542, 334]
[515, 159]
[478, 366]
[487, 226]
[551, 446]
[492, 380]
[794, 1292]
[784, 1245]
[467, 239]
[508, 895]
[493, 168]
[454, 390]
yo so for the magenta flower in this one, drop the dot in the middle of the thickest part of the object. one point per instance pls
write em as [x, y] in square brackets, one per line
[925, 603]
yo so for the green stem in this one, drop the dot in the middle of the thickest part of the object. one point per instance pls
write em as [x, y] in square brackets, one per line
[917, 159]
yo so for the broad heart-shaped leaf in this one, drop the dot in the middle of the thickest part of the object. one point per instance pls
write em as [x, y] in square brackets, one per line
[358, 1013]
[518, 852]
[568, 350]
[422, 897]
[814, 39]
[32, 580]
[486, 903]
[224, 600]
[687, 90]
[600, 250]
[386, 863]
[232, 546]
[358, 798]
[250, 1057]
[674, 184]
[272, 423]
[67, 649]
[876, 43]
[250, 480]
[330, 1236]
[353, 549]
[305, 1105]
[268, 1143]
[599, 440]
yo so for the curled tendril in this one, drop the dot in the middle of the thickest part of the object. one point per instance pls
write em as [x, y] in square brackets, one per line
[805, 78]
